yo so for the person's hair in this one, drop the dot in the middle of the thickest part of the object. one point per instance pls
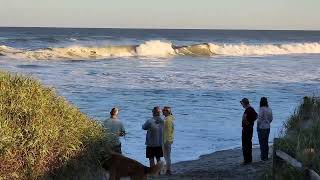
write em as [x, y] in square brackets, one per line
[167, 108]
[114, 111]
[156, 109]
[264, 102]
[245, 101]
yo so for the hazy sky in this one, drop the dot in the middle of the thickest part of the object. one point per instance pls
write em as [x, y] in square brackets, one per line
[211, 14]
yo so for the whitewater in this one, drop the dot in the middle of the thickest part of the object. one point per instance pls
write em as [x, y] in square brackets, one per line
[160, 49]
[201, 74]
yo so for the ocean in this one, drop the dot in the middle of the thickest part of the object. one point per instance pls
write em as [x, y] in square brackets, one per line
[201, 74]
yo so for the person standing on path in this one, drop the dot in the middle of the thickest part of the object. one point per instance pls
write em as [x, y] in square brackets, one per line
[116, 128]
[263, 127]
[154, 127]
[248, 118]
[168, 132]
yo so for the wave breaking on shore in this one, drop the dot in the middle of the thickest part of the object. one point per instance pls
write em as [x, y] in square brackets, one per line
[159, 49]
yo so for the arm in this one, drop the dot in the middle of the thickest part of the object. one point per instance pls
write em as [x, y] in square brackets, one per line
[260, 115]
[165, 132]
[244, 120]
[251, 116]
[146, 125]
[271, 116]
[122, 130]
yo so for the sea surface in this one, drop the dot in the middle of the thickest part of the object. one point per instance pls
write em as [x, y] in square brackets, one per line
[201, 74]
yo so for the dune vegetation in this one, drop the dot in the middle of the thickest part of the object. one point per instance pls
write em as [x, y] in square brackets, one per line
[300, 138]
[42, 136]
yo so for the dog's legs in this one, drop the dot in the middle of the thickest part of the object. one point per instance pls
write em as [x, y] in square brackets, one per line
[106, 175]
[118, 177]
[112, 174]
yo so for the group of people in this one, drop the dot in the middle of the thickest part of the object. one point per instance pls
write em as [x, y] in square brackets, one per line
[265, 118]
[160, 132]
[159, 137]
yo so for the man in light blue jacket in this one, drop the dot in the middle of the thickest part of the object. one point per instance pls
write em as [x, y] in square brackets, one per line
[154, 128]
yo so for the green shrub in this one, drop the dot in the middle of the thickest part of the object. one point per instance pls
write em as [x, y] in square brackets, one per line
[42, 136]
[301, 133]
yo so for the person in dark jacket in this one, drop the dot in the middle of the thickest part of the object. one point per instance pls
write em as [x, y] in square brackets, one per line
[248, 118]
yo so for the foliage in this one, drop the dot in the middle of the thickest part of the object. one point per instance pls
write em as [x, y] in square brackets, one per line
[42, 136]
[300, 137]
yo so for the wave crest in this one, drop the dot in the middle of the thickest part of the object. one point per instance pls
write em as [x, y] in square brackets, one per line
[155, 49]
[262, 50]
[160, 49]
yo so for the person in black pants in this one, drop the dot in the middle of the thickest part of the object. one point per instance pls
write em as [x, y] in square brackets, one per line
[248, 118]
[263, 127]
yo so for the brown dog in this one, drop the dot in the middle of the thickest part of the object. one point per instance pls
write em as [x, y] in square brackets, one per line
[120, 166]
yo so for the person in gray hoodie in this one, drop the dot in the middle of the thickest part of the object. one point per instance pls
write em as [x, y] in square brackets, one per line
[263, 127]
[154, 127]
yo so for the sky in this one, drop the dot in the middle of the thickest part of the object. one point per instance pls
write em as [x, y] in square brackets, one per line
[202, 14]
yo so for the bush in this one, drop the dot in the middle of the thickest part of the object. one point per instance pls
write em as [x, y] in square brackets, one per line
[42, 136]
[300, 137]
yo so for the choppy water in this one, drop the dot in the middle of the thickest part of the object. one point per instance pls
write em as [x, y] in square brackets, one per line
[166, 67]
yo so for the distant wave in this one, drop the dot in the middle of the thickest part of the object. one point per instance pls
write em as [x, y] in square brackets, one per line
[159, 49]
[50, 39]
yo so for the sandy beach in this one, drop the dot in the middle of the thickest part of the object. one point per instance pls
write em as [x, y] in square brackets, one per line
[224, 164]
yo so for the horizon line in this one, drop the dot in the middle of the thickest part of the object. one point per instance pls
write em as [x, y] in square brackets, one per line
[149, 28]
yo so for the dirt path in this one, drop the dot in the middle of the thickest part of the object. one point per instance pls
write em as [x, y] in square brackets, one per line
[219, 165]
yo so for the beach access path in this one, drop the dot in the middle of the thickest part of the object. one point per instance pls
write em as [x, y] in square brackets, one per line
[224, 164]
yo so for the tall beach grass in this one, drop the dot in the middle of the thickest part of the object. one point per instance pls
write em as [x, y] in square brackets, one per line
[42, 136]
[301, 138]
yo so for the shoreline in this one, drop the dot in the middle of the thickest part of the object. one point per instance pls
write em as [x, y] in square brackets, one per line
[224, 164]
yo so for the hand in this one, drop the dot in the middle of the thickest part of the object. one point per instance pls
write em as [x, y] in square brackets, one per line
[122, 133]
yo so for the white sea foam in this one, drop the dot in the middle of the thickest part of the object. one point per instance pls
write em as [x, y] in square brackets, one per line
[155, 48]
[74, 52]
[159, 49]
[267, 49]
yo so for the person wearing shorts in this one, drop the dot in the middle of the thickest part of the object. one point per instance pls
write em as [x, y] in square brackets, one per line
[154, 128]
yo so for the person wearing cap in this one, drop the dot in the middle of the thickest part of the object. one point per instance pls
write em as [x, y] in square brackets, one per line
[263, 127]
[248, 118]
[154, 128]
[115, 126]
[168, 132]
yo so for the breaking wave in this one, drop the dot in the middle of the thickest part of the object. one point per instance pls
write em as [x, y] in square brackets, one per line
[159, 49]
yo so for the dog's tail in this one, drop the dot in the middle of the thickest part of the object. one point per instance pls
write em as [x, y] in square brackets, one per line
[154, 170]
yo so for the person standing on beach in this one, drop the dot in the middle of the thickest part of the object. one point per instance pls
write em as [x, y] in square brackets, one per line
[154, 127]
[116, 128]
[168, 132]
[263, 127]
[248, 118]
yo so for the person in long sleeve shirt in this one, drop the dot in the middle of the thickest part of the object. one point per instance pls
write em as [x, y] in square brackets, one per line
[248, 118]
[263, 127]
[115, 126]
[168, 136]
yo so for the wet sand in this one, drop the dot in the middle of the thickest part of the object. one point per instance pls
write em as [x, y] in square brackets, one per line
[220, 165]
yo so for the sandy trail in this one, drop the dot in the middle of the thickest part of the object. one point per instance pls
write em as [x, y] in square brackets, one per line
[220, 165]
